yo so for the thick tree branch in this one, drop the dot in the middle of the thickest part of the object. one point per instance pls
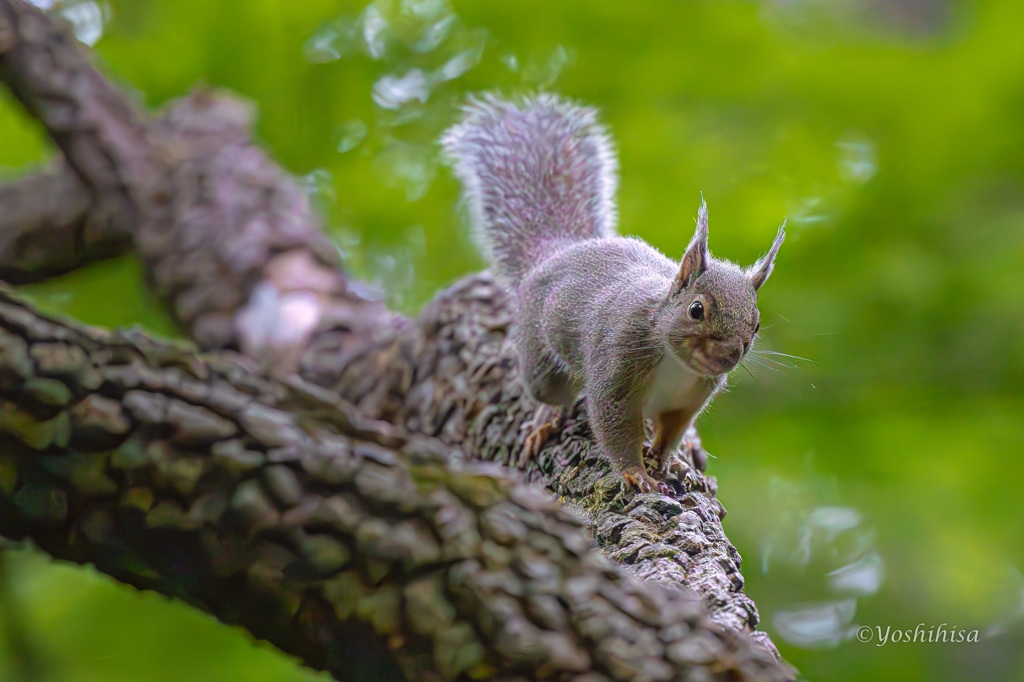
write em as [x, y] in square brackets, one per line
[340, 539]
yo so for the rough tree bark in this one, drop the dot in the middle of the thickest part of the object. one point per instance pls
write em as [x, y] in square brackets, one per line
[324, 474]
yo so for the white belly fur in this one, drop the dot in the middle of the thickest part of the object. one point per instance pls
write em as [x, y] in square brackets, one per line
[676, 387]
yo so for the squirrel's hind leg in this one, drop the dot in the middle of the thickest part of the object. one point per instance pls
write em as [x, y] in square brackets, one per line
[546, 380]
[550, 385]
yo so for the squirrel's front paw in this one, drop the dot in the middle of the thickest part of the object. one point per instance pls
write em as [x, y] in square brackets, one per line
[643, 481]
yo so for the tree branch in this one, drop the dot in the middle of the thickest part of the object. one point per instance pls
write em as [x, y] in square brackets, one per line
[339, 539]
[48, 227]
[219, 225]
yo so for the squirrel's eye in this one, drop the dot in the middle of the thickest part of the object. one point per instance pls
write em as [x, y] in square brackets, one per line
[757, 326]
[696, 310]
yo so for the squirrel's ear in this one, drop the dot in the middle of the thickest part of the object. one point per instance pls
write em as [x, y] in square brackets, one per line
[759, 271]
[695, 260]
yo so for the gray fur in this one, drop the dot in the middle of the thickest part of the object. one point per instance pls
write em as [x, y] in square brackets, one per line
[596, 313]
[537, 177]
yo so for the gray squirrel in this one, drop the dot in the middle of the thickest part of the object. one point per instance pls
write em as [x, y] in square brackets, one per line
[639, 334]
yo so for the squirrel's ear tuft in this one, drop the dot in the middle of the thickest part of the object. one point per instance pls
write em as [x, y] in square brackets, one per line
[695, 260]
[759, 271]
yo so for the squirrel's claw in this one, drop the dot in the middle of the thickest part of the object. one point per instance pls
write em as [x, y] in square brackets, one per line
[542, 428]
[644, 482]
[675, 466]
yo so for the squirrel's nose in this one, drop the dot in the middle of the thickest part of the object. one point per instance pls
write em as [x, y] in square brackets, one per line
[736, 352]
[728, 354]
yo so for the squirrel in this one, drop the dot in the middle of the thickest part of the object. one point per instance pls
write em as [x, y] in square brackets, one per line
[596, 313]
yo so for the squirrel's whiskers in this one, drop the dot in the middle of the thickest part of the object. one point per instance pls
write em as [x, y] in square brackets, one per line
[760, 351]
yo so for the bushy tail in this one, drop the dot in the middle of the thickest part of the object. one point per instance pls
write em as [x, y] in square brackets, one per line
[537, 174]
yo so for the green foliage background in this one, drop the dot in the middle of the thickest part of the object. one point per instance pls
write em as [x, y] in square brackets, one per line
[877, 484]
